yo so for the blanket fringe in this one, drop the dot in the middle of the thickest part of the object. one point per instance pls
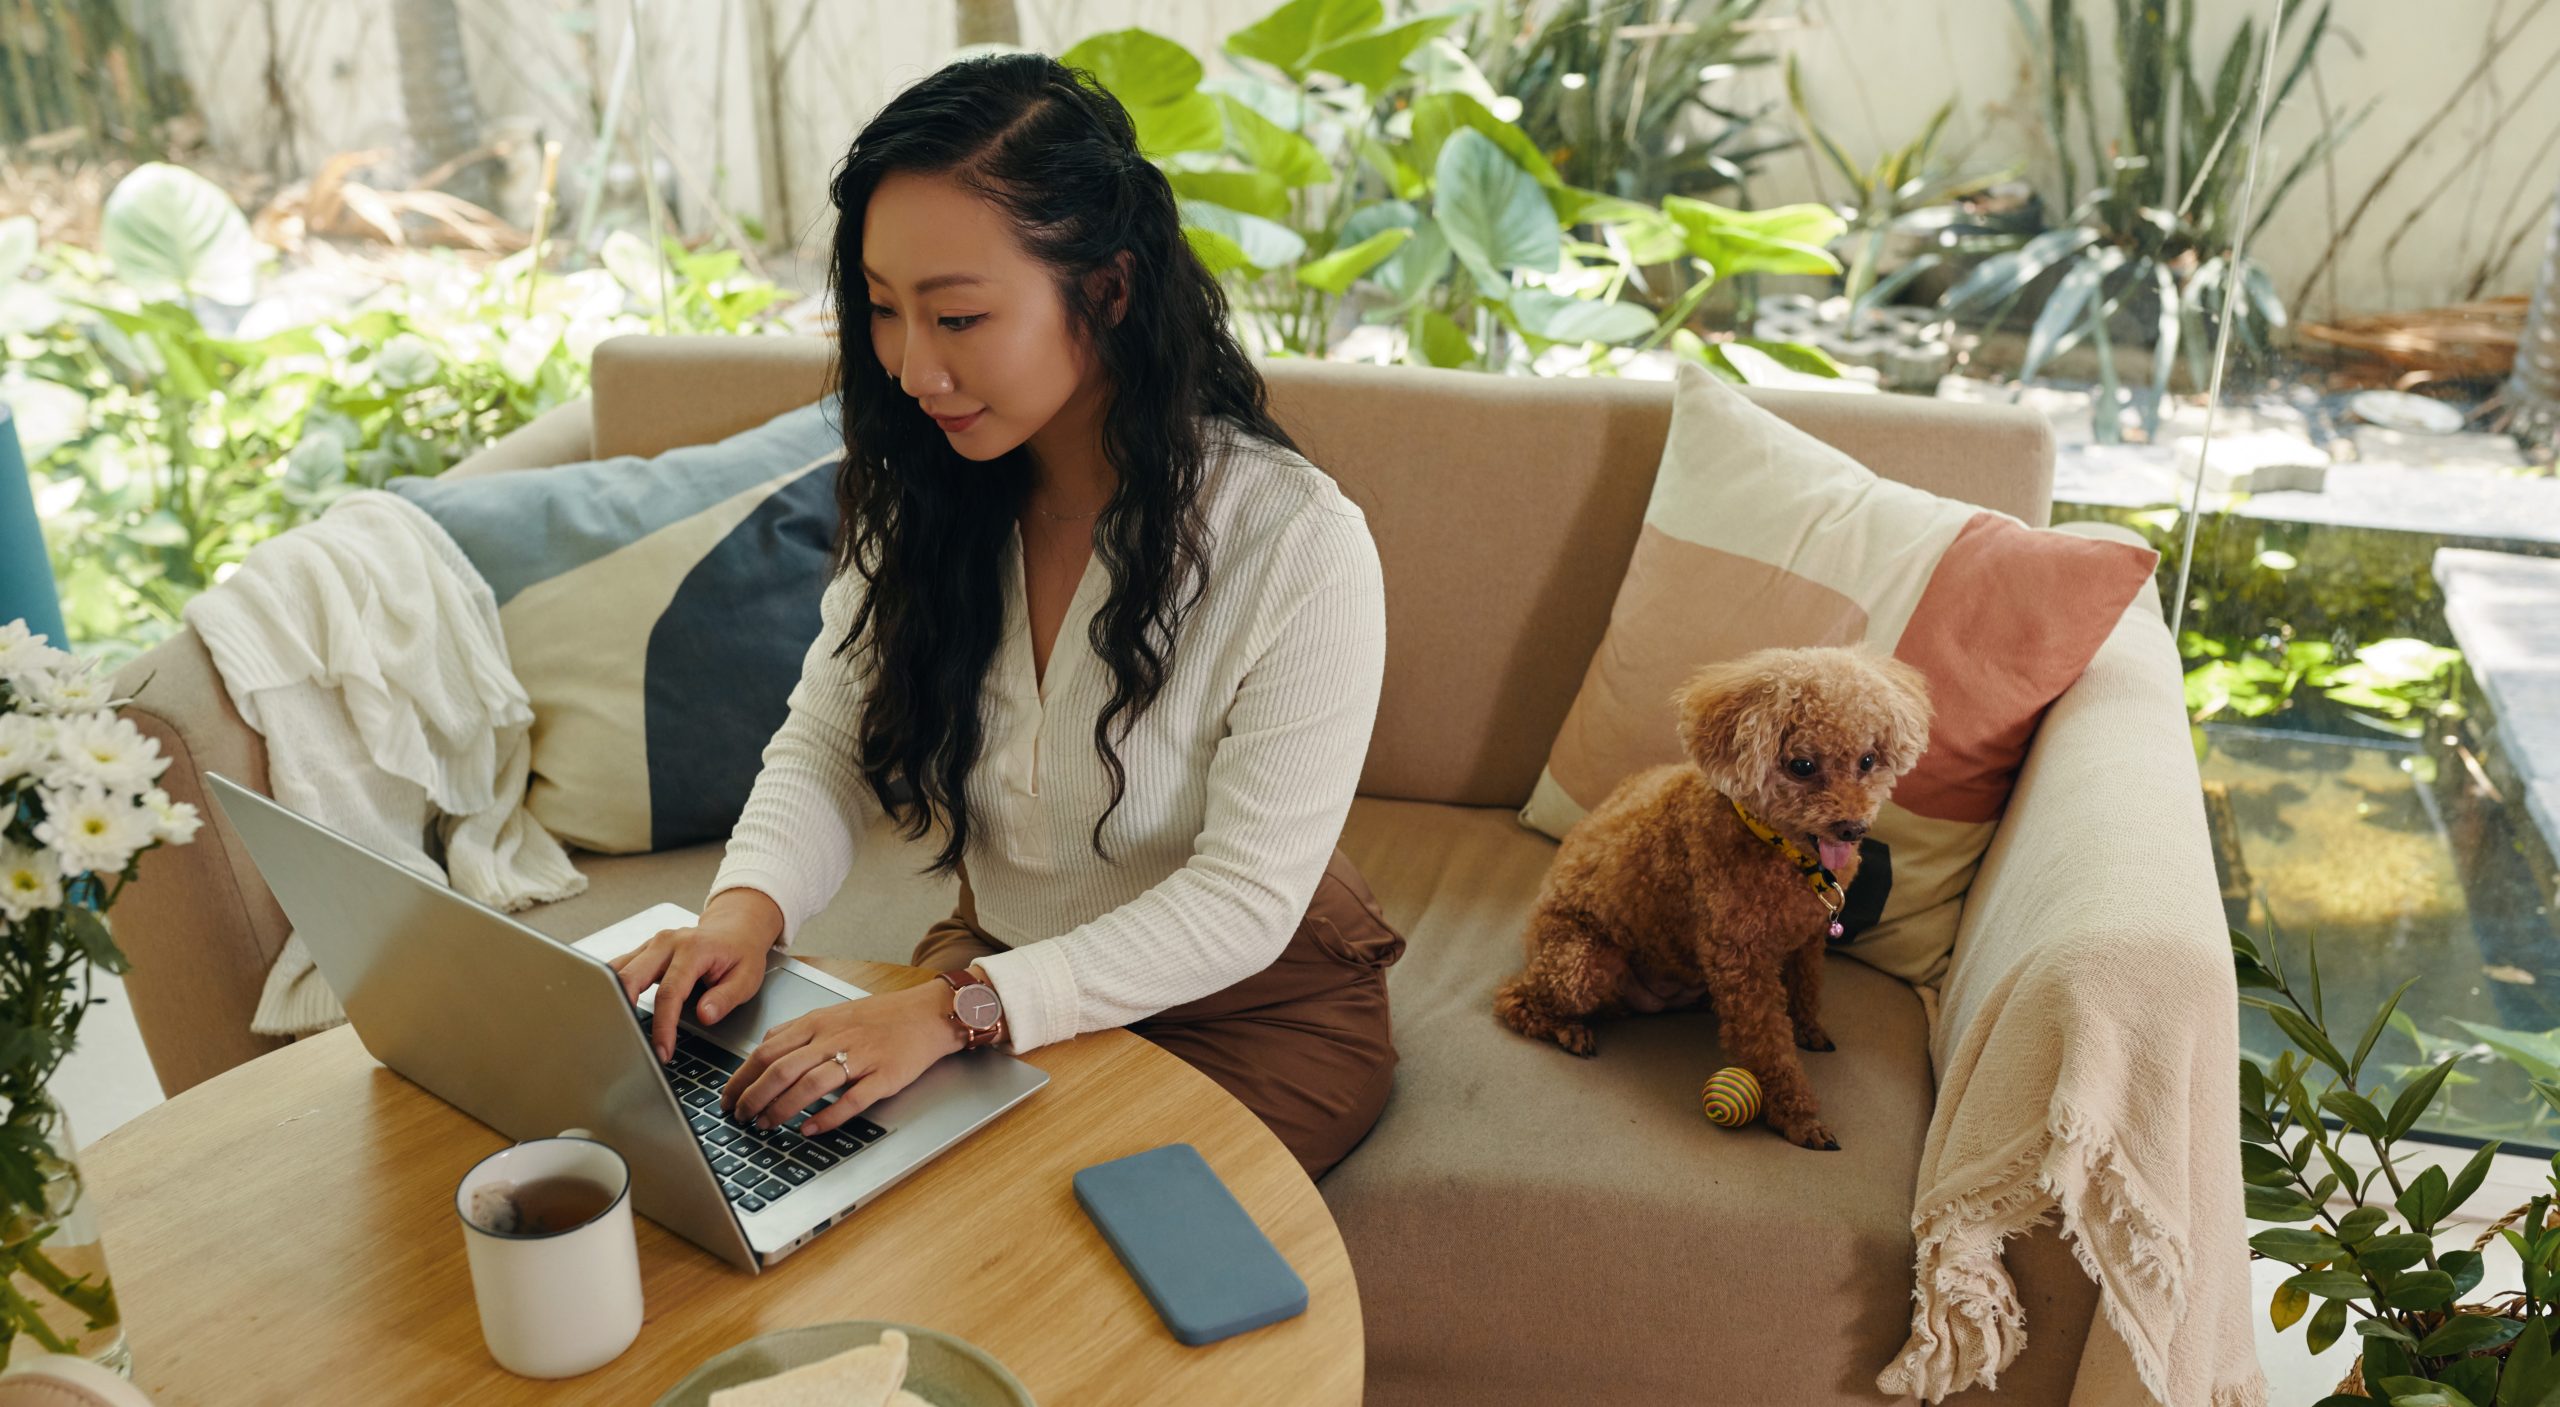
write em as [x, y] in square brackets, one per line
[1966, 1322]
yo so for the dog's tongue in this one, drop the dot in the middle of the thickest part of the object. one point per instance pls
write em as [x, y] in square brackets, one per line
[1835, 853]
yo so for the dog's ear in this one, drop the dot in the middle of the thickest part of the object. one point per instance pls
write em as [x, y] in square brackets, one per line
[1733, 716]
[1904, 696]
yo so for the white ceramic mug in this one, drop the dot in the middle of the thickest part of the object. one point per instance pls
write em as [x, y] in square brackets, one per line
[565, 1303]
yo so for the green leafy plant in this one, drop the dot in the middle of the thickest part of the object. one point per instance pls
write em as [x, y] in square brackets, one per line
[171, 429]
[1359, 173]
[2151, 235]
[1897, 184]
[2374, 1265]
[2394, 686]
[2281, 614]
[1600, 82]
[2509, 1062]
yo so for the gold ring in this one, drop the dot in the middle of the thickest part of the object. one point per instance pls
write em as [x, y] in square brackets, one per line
[841, 1064]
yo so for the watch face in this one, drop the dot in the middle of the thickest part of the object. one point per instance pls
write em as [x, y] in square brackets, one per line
[977, 1008]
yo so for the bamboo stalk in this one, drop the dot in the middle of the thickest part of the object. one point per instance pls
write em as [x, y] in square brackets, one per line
[30, 117]
[543, 202]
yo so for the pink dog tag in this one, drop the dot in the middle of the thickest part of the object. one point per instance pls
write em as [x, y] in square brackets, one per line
[1836, 930]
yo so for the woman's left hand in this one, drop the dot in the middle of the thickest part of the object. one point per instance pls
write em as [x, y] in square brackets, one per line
[888, 1040]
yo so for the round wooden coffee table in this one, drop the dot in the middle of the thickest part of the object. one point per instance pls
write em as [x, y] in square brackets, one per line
[285, 1233]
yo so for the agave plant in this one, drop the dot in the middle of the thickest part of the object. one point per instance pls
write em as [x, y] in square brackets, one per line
[1909, 178]
[1621, 94]
[2153, 233]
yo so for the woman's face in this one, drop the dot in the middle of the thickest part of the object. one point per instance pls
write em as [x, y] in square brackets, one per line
[962, 319]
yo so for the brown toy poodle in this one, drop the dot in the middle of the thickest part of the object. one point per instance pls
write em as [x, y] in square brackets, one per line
[1664, 888]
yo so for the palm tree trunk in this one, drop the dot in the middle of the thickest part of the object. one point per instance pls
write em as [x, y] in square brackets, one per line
[2535, 387]
[989, 22]
[435, 93]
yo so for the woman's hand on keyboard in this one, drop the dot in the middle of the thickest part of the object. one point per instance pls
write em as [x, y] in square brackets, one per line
[723, 954]
[887, 1039]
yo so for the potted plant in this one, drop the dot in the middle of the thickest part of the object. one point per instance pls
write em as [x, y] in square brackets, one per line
[78, 808]
[2364, 1240]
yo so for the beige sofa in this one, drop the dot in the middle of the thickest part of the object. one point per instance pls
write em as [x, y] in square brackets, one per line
[1526, 1227]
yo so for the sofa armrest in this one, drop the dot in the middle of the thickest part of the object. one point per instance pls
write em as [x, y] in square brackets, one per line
[2104, 833]
[196, 920]
[564, 434]
[2086, 1048]
[655, 393]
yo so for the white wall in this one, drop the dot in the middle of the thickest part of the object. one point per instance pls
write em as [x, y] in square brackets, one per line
[1875, 70]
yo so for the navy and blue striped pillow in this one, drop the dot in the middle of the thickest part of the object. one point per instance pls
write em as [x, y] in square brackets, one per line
[657, 611]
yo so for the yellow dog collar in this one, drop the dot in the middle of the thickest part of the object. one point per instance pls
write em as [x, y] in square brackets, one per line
[1823, 883]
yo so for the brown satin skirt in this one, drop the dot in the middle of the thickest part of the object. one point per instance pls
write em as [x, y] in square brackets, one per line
[1305, 1043]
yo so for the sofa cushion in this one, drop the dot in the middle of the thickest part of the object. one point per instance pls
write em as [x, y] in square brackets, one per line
[1530, 1227]
[657, 611]
[1759, 535]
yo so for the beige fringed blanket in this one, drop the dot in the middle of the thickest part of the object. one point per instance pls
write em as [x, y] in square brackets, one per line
[2087, 1048]
[365, 648]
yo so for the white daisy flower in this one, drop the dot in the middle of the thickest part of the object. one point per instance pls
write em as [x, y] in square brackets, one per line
[102, 750]
[26, 746]
[31, 688]
[29, 880]
[76, 689]
[92, 831]
[24, 653]
[173, 822]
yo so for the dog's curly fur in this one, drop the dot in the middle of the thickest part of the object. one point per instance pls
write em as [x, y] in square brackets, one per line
[1662, 889]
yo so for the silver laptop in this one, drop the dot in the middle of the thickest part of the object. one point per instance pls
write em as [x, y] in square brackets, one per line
[531, 1036]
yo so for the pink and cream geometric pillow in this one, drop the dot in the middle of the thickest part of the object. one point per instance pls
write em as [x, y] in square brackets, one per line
[1759, 535]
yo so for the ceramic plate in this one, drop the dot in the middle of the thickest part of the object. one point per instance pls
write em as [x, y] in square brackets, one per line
[941, 1369]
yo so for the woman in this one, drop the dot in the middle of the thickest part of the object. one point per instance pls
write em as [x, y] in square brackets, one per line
[1094, 620]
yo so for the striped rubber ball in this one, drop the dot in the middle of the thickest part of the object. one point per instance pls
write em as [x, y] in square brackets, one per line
[1732, 1097]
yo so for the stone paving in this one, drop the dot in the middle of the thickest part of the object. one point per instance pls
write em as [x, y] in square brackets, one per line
[2505, 613]
[2301, 463]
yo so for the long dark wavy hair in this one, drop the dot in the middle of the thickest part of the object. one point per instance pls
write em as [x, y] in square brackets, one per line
[926, 527]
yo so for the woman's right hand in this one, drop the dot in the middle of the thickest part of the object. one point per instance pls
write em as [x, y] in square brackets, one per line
[723, 952]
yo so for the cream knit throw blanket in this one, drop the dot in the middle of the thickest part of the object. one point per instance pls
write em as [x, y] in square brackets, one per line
[365, 648]
[2088, 1056]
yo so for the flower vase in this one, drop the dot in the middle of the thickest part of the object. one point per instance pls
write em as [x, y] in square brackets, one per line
[58, 1298]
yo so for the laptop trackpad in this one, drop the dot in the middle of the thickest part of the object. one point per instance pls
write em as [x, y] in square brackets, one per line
[785, 994]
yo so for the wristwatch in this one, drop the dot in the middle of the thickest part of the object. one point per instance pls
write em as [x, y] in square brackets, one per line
[975, 1009]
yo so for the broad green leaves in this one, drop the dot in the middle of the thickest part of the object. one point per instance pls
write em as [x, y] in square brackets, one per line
[1158, 81]
[1254, 192]
[1494, 214]
[1271, 149]
[1786, 240]
[1334, 272]
[1284, 202]
[1340, 37]
[1241, 240]
[1557, 318]
[171, 234]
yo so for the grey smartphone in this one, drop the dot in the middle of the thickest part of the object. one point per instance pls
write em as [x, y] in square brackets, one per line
[1204, 1265]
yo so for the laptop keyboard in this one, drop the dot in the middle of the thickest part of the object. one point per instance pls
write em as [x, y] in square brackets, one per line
[757, 1167]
